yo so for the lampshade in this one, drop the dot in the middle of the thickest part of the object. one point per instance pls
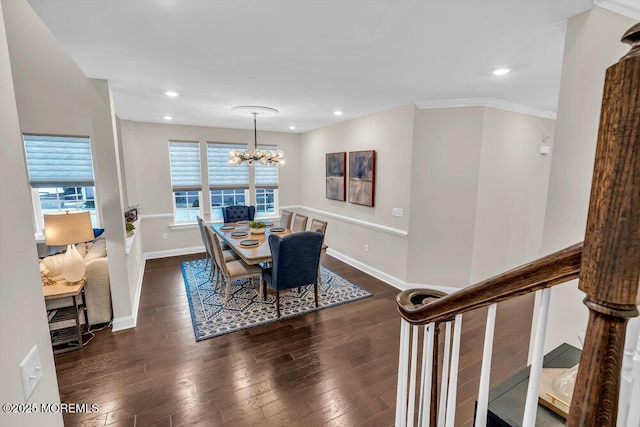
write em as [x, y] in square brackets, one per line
[66, 228]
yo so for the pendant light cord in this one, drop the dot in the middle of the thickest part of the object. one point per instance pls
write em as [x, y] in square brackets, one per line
[255, 132]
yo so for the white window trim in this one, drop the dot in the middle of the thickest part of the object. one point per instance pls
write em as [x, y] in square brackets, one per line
[177, 223]
[276, 204]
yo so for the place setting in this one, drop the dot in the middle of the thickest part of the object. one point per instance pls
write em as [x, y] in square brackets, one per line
[277, 230]
[239, 234]
[227, 227]
[249, 243]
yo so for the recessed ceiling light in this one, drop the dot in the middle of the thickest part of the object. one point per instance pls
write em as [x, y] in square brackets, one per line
[171, 93]
[168, 118]
[337, 113]
[501, 71]
[292, 128]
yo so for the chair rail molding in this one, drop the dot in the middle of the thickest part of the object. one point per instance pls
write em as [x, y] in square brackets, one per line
[156, 216]
[367, 224]
[486, 102]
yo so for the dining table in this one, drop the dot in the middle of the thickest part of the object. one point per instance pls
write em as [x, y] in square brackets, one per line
[251, 248]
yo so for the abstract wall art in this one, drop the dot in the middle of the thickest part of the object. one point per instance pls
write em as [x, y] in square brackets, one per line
[362, 177]
[335, 175]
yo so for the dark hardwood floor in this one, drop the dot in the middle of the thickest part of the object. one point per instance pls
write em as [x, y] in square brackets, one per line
[337, 366]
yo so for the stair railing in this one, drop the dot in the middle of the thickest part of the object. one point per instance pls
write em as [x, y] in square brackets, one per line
[607, 264]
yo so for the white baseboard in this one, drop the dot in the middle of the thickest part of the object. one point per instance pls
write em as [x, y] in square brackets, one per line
[122, 323]
[387, 278]
[128, 322]
[445, 289]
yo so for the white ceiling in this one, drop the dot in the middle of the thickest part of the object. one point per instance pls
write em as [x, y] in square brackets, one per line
[307, 58]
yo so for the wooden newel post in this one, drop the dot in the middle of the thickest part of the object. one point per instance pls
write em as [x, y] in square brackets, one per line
[611, 258]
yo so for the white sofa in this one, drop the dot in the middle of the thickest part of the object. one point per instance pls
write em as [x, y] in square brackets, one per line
[97, 291]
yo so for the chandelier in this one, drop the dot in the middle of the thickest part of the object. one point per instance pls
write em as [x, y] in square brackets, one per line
[251, 156]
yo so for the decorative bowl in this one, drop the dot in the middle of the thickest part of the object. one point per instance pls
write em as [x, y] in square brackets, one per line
[257, 230]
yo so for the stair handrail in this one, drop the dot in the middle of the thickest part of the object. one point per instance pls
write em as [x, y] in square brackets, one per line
[420, 306]
[607, 262]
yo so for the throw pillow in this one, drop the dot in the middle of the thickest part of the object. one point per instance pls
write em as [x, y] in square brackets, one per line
[98, 250]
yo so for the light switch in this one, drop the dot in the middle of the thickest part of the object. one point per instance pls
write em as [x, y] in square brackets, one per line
[30, 372]
[398, 212]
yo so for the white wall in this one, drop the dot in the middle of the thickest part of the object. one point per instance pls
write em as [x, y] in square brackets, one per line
[390, 133]
[149, 144]
[444, 186]
[107, 173]
[478, 193]
[591, 46]
[54, 97]
[23, 320]
[512, 192]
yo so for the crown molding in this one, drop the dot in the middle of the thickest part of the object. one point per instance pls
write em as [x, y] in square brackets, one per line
[486, 102]
[628, 8]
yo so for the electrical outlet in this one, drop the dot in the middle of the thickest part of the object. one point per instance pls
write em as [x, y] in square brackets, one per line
[165, 236]
[30, 372]
[366, 248]
[398, 212]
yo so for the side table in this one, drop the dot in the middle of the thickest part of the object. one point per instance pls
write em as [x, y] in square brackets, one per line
[70, 338]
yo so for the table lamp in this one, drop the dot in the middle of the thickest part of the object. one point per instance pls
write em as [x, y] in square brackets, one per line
[69, 228]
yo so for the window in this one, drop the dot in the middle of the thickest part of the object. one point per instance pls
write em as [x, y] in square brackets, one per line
[228, 184]
[265, 201]
[266, 179]
[186, 180]
[60, 174]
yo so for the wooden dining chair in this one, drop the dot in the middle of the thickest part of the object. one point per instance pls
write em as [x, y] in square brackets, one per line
[206, 241]
[285, 219]
[230, 270]
[207, 246]
[299, 223]
[319, 227]
[296, 257]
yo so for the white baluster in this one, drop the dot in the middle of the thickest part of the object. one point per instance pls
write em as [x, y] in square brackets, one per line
[531, 405]
[442, 410]
[634, 410]
[403, 370]
[424, 410]
[413, 375]
[453, 381]
[485, 372]
[626, 376]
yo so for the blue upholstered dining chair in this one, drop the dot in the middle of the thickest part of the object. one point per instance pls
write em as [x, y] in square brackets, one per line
[238, 213]
[296, 258]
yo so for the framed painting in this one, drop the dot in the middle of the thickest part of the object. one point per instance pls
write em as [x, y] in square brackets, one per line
[362, 177]
[131, 215]
[336, 176]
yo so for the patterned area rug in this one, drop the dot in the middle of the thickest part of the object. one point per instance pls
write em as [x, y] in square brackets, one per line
[246, 308]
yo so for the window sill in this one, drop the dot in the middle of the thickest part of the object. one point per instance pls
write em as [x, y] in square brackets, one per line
[180, 225]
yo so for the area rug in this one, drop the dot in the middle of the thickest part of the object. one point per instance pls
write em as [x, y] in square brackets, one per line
[246, 308]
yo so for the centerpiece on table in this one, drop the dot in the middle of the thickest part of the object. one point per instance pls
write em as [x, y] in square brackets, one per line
[257, 227]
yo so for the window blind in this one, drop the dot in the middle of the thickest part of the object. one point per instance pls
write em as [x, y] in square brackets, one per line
[266, 176]
[221, 174]
[185, 166]
[59, 161]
